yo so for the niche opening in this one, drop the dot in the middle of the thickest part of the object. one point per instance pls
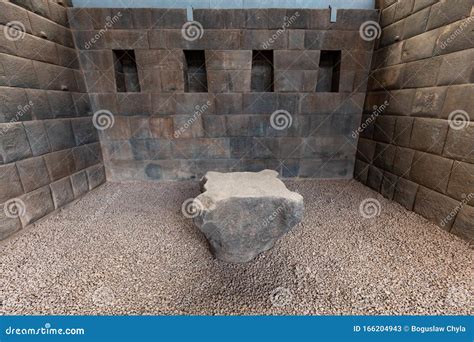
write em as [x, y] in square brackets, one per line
[262, 71]
[126, 74]
[195, 73]
[329, 71]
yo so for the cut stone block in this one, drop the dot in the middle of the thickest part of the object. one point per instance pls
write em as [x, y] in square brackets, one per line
[38, 203]
[242, 214]
[436, 207]
[464, 224]
[62, 192]
[10, 185]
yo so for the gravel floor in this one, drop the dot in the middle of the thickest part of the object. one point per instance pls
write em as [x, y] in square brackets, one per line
[127, 249]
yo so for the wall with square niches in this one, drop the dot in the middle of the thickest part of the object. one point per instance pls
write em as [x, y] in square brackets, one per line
[420, 150]
[49, 149]
[167, 131]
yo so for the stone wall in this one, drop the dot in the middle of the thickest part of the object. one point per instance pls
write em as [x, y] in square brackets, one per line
[49, 149]
[165, 131]
[413, 150]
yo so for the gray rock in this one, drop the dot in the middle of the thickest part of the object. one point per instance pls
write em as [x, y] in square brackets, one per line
[242, 214]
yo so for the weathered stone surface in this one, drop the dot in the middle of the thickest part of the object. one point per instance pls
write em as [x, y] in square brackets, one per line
[461, 182]
[374, 178]
[8, 225]
[405, 193]
[227, 216]
[38, 203]
[33, 173]
[435, 207]
[79, 184]
[10, 185]
[13, 143]
[60, 164]
[429, 101]
[95, 176]
[459, 97]
[402, 161]
[464, 224]
[446, 12]
[416, 23]
[429, 135]
[431, 171]
[384, 156]
[388, 185]
[62, 192]
[403, 128]
[459, 144]
[37, 137]
[456, 68]
[60, 134]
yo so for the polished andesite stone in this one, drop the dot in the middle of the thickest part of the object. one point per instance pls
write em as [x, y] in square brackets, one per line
[242, 214]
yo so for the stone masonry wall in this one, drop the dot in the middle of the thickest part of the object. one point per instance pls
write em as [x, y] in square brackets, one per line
[414, 151]
[165, 132]
[49, 149]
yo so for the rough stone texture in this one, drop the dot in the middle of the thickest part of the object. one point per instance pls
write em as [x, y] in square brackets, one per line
[243, 214]
[422, 67]
[138, 249]
[43, 109]
[205, 131]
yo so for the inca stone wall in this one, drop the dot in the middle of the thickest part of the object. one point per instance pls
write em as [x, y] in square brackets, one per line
[419, 149]
[165, 131]
[49, 149]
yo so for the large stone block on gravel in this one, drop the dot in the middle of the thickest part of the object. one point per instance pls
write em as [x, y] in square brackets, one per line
[242, 214]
